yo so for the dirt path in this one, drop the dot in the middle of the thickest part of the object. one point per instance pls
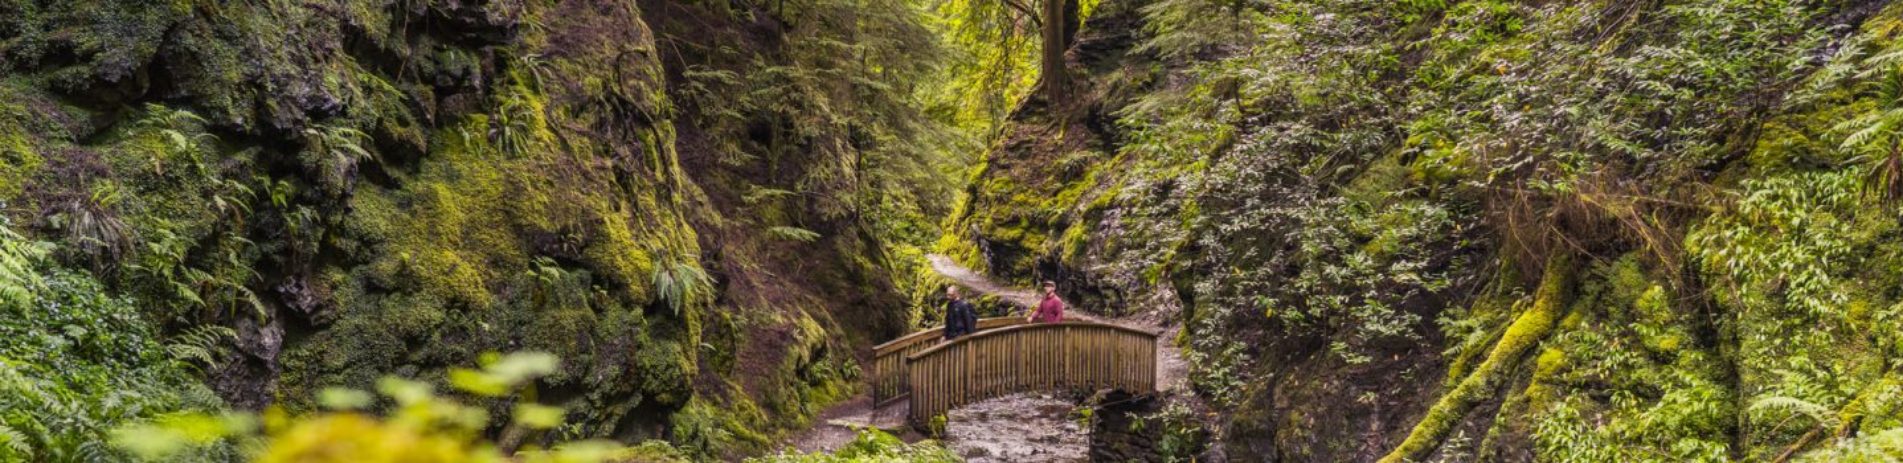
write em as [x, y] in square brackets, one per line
[967, 278]
[1016, 428]
[839, 424]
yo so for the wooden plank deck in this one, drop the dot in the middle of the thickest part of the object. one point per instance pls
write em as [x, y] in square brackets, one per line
[1022, 358]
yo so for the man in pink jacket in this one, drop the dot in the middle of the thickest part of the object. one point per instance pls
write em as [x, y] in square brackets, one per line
[1051, 310]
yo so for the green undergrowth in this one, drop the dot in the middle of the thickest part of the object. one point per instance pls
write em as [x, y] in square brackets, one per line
[405, 420]
[871, 446]
[77, 362]
[328, 193]
[1351, 203]
[1528, 329]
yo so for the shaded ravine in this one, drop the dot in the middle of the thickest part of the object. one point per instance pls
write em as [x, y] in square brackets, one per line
[1032, 427]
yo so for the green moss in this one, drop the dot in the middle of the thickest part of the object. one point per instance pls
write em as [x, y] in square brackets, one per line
[872, 445]
[109, 40]
[665, 369]
[19, 160]
[470, 207]
[1383, 176]
[1075, 237]
[623, 258]
[1548, 364]
[1625, 380]
[936, 427]
[1527, 330]
[555, 331]
[1482, 323]
[453, 248]
[709, 429]
[369, 341]
[483, 177]
[651, 452]
[389, 112]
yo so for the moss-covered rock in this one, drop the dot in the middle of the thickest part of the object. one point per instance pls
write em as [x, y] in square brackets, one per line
[1348, 207]
[367, 188]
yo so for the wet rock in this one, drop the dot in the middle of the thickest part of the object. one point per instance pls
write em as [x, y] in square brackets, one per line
[1118, 434]
[1018, 428]
[1126, 428]
[304, 298]
[247, 381]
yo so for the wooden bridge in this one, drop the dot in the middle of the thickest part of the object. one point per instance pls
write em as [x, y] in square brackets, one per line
[1007, 356]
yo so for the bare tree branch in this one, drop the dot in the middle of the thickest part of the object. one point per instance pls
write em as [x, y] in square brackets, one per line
[1026, 11]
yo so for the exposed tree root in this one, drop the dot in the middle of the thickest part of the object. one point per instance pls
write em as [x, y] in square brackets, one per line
[1549, 304]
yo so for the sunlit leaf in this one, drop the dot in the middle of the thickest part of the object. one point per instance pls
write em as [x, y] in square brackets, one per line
[538, 416]
[342, 398]
[404, 391]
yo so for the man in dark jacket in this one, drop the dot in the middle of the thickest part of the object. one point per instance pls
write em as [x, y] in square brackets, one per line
[960, 318]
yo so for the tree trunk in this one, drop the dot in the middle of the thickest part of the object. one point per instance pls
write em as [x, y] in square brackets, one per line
[1060, 18]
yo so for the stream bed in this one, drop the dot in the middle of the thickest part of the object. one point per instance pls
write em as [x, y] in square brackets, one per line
[1037, 428]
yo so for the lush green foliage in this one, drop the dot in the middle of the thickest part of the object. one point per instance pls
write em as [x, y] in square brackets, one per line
[77, 362]
[871, 446]
[419, 426]
[694, 210]
[994, 45]
[1591, 231]
[1347, 199]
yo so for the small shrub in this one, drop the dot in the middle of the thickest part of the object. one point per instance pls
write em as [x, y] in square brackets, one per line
[75, 362]
[871, 446]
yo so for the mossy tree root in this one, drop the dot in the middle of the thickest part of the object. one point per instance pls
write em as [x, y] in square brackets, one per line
[1549, 304]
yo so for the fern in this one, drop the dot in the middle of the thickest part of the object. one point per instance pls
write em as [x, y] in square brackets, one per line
[92, 225]
[18, 281]
[677, 282]
[93, 450]
[518, 126]
[794, 233]
[335, 152]
[180, 134]
[243, 294]
[1872, 134]
[200, 345]
[1884, 446]
[759, 193]
[13, 444]
[1796, 407]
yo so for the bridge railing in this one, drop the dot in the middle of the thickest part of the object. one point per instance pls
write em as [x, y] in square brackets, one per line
[1029, 357]
[888, 360]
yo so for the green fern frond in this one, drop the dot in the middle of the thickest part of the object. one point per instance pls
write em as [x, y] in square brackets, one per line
[200, 345]
[762, 193]
[18, 281]
[1795, 406]
[794, 233]
[14, 443]
[677, 282]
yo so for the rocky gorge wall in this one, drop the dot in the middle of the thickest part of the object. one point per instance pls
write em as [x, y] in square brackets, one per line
[362, 188]
[1482, 230]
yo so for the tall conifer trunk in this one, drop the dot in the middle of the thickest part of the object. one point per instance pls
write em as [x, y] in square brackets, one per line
[1060, 18]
